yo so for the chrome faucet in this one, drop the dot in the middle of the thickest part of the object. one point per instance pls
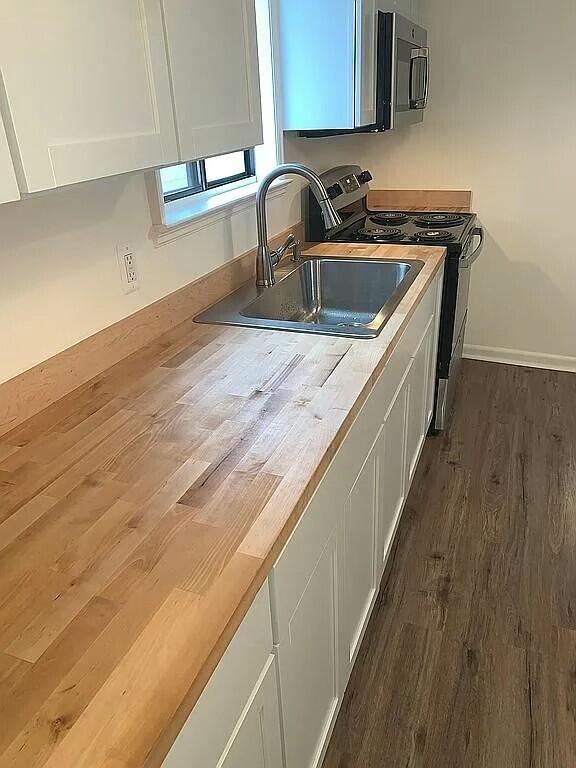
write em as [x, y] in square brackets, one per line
[266, 259]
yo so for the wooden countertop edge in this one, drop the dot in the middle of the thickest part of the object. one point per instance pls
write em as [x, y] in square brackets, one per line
[167, 738]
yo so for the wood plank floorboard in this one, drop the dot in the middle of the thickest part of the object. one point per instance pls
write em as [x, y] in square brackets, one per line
[469, 660]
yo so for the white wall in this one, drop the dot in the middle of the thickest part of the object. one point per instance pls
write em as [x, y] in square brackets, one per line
[60, 280]
[502, 123]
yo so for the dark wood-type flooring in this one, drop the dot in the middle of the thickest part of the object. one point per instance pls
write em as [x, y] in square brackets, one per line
[470, 657]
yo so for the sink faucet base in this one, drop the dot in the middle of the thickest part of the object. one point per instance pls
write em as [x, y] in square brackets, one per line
[266, 259]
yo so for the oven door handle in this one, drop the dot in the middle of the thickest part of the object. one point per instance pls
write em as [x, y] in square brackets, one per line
[421, 101]
[467, 262]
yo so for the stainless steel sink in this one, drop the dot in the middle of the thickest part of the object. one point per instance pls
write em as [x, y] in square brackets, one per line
[340, 297]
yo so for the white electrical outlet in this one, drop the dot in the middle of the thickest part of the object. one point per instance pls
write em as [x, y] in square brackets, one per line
[127, 263]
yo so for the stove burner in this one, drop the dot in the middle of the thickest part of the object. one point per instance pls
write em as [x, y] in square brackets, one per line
[379, 233]
[439, 220]
[433, 236]
[390, 218]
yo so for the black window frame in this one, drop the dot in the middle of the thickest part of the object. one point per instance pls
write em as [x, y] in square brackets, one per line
[197, 181]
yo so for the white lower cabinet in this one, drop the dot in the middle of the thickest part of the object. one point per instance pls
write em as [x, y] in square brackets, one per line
[236, 721]
[305, 585]
[256, 740]
[419, 383]
[359, 559]
[325, 582]
[391, 452]
[274, 697]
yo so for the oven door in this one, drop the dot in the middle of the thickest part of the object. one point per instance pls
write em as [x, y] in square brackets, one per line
[410, 73]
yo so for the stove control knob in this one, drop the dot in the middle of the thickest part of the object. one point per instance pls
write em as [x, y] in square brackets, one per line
[364, 177]
[335, 191]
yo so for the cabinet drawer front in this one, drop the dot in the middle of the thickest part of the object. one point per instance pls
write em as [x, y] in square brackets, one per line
[207, 732]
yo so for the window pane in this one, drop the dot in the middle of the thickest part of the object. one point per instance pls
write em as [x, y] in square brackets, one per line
[174, 178]
[224, 166]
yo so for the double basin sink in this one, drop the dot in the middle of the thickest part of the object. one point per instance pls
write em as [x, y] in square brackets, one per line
[338, 297]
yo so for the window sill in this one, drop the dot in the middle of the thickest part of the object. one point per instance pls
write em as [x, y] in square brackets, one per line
[196, 212]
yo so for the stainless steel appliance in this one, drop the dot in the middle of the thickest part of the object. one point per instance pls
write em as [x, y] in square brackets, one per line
[459, 233]
[392, 76]
[403, 71]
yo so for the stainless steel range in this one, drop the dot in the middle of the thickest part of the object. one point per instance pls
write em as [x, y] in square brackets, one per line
[459, 233]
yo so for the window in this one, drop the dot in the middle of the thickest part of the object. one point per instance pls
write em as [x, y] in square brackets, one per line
[190, 178]
[206, 178]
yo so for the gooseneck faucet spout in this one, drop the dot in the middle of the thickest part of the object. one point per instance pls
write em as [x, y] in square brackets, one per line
[266, 259]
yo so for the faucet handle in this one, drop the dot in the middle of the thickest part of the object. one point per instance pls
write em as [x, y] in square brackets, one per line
[296, 251]
[291, 243]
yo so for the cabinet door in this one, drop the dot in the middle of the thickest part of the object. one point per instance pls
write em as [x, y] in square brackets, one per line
[87, 88]
[8, 185]
[391, 453]
[359, 558]
[256, 741]
[307, 603]
[214, 66]
[236, 721]
[366, 18]
[419, 384]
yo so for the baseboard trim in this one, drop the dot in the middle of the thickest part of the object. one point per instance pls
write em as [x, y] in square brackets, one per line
[520, 357]
[31, 391]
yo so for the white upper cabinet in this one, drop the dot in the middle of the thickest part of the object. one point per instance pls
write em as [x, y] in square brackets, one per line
[213, 52]
[328, 56]
[87, 89]
[8, 185]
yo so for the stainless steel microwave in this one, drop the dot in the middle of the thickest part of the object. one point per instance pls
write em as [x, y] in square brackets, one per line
[378, 71]
[403, 72]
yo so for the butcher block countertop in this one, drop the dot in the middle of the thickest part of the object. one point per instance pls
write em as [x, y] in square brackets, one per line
[140, 515]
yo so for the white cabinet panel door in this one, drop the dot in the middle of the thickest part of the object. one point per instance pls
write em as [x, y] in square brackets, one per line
[213, 56]
[308, 658]
[360, 573]
[256, 741]
[366, 43]
[237, 714]
[87, 88]
[418, 405]
[391, 451]
[8, 184]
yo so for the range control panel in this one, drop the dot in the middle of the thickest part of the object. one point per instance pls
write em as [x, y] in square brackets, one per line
[346, 184]
[350, 183]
